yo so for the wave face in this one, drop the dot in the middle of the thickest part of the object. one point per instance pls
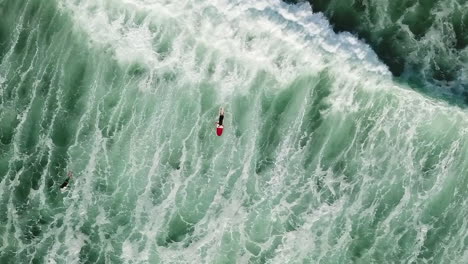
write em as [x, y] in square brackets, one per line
[424, 42]
[324, 158]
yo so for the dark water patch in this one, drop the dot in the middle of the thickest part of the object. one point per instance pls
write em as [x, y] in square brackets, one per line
[389, 198]
[313, 117]
[40, 163]
[362, 239]
[418, 18]
[272, 109]
[27, 138]
[33, 227]
[30, 177]
[8, 255]
[90, 253]
[160, 186]
[45, 84]
[295, 219]
[12, 81]
[266, 255]
[7, 10]
[314, 131]
[278, 110]
[253, 248]
[430, 51]
[34, 19]
[21, 192]
[4, 36]
[8, 123]
[136, 70]
[444, 214]
[19, 17]
[460, 23]
[163, 41]
[4, 163]
[50, 23]
[75, 84]
[62, 132]
[228, 188]
[240, 106]
[177, 231]
[293, 223]
[22, 41]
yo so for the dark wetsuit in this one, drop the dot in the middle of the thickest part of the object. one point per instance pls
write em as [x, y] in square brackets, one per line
[221, 118]
[65, 183]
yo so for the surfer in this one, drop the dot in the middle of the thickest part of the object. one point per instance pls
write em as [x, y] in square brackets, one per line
[65, 183]
[219, 123]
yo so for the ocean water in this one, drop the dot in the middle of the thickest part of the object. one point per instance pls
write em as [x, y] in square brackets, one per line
[325, 158]
[423, 42]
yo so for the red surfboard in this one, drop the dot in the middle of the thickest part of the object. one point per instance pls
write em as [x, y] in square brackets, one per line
[219, 124]
[219, 130]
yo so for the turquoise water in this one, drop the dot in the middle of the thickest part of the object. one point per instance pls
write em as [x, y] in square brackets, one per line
[324, 157]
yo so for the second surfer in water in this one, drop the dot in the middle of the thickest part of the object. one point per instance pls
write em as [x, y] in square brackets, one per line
[65, 183]
[219, 124]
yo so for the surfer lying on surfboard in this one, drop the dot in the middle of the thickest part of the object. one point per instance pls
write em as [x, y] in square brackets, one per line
[219, 124]
[64, 185]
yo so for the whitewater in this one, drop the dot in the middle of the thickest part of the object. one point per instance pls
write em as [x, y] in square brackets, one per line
[325, 157]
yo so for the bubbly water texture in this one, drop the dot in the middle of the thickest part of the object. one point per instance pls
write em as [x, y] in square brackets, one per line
[324, 159]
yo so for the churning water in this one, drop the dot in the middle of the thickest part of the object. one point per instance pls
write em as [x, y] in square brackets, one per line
[324, 157]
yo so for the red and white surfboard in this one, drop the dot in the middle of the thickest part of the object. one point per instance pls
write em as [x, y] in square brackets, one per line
[219, 130]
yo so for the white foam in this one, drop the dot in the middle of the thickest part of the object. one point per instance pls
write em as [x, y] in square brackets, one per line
[254, 32]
